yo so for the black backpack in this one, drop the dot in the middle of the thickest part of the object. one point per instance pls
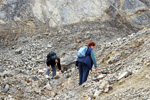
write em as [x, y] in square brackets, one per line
[51, 57]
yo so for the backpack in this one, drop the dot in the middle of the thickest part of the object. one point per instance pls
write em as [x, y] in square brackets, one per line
[82, 52]
[50, 57]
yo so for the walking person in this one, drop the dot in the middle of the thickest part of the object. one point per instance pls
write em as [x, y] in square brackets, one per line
[86, 62]
[52, 60]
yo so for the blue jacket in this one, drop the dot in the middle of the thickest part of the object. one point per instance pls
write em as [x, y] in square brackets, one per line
[87, 59]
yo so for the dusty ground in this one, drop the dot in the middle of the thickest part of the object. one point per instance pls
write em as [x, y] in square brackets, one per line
[118, 49]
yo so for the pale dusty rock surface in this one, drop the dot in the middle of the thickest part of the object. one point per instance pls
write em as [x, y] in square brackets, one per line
[23, 65]
[120, 29]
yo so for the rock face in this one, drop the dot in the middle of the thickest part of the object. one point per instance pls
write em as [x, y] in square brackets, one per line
[56, 13]
[135, 12]
[53, 12]
[32, 16]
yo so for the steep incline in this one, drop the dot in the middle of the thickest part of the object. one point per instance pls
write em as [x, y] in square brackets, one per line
[122, 55]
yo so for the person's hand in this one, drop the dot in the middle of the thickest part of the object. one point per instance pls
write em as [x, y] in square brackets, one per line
[49, 68]
[56, 61]
[96, 69]
[60, 72]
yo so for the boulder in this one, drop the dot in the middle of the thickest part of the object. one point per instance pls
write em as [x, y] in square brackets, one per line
[68, 60]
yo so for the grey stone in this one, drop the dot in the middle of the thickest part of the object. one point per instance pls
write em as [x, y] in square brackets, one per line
[101, 76]
[114, 59]
[97, 93]
[132, 4]
[48, 87]
[2, 22]
[56, 77]
[6, 88]
[7, 74]
[49, 46]
[103, 84]
[141, 20]
[35, 78]
[68, 60]
[124, 75]
[18, 51]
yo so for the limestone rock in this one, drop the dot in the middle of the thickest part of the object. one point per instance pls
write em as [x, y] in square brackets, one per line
[68, 60]
[97, 93]
[18, 51]
[103, 84]
[48, 87]
[49, 46]
[114, 59]
[41, 71]
[124, 75]
[101, 76]
[6, 88]
[17, 19]
[2, 22]
[108, 88]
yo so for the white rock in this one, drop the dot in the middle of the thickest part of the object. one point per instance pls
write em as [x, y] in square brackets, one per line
[10, 97]
[49, 46]
[124, 74]
[96, 94]
[17, 19]
[89, 98]
[103, 84]
[2, 22]
[18, 51]
[41, 71]
[106, 89]
[48, 87]
[39, 57]
[101, 76]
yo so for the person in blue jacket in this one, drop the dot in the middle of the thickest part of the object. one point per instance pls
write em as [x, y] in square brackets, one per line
[85, 63]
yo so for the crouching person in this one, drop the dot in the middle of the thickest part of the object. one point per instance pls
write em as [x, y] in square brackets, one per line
[51, 62]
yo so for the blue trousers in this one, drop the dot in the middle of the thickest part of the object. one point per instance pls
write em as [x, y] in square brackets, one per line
[53, 70]
[83, 72]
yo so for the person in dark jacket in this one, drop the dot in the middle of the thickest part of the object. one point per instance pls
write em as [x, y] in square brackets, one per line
[52, 62]
[85, 63]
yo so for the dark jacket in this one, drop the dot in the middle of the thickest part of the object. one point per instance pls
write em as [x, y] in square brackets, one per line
[53, 63]
[87, 59]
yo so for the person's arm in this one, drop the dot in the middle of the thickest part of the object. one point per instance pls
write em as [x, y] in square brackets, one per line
[93, 58]
[58, 64]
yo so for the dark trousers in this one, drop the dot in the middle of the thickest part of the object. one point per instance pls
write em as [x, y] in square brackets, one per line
[83, 72]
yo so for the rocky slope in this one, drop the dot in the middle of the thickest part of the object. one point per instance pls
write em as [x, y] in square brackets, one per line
[29, 29]
[122, 55]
